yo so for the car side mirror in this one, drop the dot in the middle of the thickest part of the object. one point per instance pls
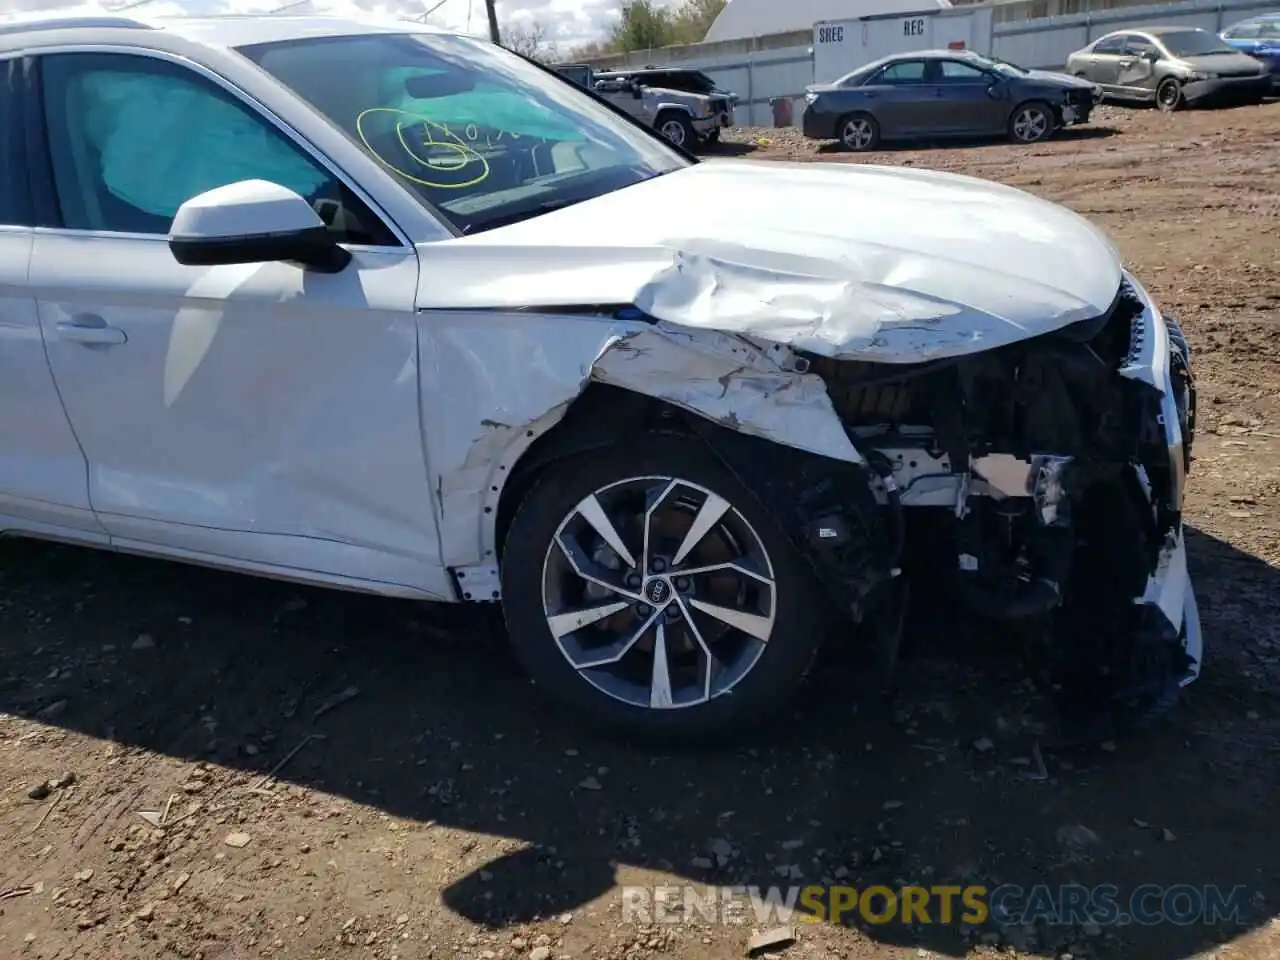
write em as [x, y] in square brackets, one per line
[253, 221]
[1151, 56]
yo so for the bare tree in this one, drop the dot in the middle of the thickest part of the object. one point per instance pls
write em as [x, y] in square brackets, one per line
[529, 40]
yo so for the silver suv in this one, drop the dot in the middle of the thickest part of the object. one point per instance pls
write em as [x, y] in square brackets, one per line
[685, 106]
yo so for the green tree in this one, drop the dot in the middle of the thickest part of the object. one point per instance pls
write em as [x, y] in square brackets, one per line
[643, 25]
[693, 19]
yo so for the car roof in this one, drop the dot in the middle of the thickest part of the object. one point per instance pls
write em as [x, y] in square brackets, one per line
[641, 70]
[229, 31]
[931, 55]
[917, 55]
[1157, 31]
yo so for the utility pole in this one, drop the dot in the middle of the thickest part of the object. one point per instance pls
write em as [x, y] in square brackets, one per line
[493, 21]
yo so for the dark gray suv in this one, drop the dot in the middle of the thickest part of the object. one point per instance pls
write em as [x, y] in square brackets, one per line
[941, 93]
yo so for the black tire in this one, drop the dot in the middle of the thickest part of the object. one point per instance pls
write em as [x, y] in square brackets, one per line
[767, 686]
[1169, 95]
[858, 132]
[677, 128]
[1031, 122]
[713, 137]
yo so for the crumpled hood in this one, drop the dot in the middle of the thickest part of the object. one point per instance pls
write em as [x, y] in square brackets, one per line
[1060, 79]
[845, 260]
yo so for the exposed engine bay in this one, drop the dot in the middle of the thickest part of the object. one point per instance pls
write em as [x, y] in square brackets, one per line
[1054, 479]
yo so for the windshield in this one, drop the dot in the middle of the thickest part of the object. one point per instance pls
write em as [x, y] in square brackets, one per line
[855, 78]
[695, 81]
[1268, 30]
[483, 136]
[1003, 66]
[1193, 43]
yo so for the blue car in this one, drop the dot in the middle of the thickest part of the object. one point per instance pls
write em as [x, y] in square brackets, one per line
[1259, 37]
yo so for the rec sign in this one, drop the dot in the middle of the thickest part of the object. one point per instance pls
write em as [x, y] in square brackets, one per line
[913, 27]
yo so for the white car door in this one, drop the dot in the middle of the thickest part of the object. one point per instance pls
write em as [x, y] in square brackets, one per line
[43, 486]
[261, 416]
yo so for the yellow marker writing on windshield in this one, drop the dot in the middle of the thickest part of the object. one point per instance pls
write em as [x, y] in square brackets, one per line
[457, 155]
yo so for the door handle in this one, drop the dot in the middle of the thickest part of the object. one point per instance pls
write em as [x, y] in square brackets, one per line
[91, 330]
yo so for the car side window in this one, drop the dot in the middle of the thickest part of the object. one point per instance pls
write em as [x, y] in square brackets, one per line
[953, 71]
[1110, 44]
[905, 71]
[132, 138]
[15, 207]
[1139, 46]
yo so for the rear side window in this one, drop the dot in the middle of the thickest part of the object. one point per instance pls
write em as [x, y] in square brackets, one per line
[15, 208]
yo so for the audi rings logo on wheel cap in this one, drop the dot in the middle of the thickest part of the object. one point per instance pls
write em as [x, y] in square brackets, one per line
[657, 592]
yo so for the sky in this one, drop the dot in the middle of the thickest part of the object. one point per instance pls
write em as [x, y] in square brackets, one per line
[564, 23]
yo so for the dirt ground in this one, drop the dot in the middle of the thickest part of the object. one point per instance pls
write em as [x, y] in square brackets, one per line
[438, 809]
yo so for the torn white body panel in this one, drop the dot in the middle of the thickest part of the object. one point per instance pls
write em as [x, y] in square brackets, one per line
[857, 262]
[492, 383]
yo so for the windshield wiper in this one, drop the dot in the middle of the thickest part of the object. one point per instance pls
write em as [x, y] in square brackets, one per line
[524, 213]
[547, 206]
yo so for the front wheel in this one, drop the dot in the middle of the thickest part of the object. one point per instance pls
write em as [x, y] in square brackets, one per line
[677, 128]
[1031, 123]
[1169, 95]
[859, 132]
[646, 587]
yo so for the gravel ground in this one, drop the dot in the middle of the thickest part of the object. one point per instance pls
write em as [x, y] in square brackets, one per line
[426, 805]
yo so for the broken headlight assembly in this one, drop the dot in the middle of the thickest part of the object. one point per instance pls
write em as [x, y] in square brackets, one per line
[1050, 473]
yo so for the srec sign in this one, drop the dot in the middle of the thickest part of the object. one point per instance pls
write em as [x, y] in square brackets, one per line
[831, 34]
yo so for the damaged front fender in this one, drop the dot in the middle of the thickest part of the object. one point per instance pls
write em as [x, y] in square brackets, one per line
[494, 382]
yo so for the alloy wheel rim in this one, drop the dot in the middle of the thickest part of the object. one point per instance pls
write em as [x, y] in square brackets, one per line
[1030, 125]
[659, 593]
[673, 130]
[857, 134]
[1168, 95]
